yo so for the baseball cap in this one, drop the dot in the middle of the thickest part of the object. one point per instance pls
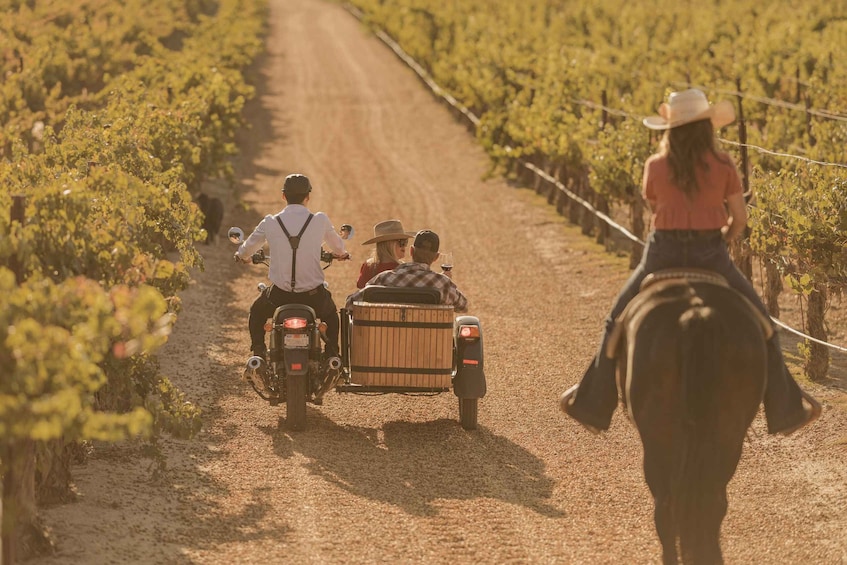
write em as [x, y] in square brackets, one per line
[426, 240]
[297, 184]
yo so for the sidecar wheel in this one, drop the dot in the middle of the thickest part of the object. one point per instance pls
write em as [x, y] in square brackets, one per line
[295, 402]
[468, 412]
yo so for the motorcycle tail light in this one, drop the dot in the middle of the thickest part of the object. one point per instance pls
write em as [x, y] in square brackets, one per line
[469, 332]
[296, 366]
[294, 323]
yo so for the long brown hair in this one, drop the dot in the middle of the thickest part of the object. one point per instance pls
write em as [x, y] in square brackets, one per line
[686, 147]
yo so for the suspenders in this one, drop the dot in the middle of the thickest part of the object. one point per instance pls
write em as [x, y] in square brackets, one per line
[294, 242]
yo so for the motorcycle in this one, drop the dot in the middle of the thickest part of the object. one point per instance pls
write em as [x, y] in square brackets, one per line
[295, 371]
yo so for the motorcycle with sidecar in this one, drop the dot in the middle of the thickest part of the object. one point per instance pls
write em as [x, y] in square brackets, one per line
[394, 341]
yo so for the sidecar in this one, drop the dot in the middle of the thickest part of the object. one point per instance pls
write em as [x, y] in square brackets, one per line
[401, 340]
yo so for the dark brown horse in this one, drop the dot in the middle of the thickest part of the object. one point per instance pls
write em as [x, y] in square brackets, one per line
[691, 370]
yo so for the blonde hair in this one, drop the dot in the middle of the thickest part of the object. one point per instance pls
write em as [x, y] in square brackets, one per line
[384, 253]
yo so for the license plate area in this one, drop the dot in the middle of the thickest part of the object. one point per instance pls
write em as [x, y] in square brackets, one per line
[296, 341]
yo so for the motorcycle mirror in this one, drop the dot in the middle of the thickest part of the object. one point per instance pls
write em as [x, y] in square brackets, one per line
[236, 235]
[346, 231]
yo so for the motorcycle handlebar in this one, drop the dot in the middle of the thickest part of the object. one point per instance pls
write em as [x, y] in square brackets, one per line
[259, 257]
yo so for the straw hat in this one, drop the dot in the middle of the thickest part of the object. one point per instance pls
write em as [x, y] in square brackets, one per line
[387, 231]
[690, 106]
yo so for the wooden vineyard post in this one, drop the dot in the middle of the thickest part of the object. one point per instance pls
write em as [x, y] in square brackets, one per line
[742, 253]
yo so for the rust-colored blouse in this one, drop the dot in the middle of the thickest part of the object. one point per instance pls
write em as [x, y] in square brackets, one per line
[706, 210]
[370, 270]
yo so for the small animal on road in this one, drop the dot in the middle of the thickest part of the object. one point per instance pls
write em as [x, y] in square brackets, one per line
[213, 215]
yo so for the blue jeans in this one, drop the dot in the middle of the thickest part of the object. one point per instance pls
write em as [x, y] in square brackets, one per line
[597, 397]
[664, 251]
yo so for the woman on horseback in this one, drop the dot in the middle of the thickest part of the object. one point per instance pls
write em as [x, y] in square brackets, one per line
[694, 191]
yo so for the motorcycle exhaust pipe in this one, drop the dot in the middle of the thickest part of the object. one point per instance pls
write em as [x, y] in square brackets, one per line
[333, 371]
[334, 363]
[256, 363]
[255, 371]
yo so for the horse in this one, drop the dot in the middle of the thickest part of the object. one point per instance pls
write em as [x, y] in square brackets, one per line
[692, 367]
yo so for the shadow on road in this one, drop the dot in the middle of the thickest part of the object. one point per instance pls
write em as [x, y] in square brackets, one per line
[416, 464]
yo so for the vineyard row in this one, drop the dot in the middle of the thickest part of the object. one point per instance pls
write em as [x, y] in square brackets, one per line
[113, 114]
[525, 71]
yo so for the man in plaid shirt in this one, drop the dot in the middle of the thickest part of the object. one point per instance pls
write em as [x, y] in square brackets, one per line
[417, 273]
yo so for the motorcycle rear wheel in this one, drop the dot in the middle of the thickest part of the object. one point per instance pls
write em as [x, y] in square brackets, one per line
[468, 412]
[295, 402]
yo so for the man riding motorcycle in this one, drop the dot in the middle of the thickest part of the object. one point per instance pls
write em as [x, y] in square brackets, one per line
[295, 237]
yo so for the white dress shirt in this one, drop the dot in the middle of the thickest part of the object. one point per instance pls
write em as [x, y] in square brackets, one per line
[309, 274]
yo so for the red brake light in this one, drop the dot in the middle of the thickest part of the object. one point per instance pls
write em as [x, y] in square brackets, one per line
[294, 323]
[296, 366]
[469, 332]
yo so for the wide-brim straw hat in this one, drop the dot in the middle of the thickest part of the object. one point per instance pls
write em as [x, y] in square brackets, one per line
[690, 106]
[387, 231]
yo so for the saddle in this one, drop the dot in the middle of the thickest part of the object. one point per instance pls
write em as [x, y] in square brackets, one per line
[669, 285]
[683, 276]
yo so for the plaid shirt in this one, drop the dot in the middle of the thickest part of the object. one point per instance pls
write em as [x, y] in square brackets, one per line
[417, 275]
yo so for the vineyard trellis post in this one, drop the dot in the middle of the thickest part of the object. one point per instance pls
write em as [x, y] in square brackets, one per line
[742, 253]
[17, 215]
[602, 235]
[812, 139]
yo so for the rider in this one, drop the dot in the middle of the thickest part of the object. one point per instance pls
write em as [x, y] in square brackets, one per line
[417, 273]
[695, 194]
[391, 242]
[295, 237]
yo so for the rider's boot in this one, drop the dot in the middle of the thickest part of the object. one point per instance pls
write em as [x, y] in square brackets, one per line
[331, 348]
[787, 407]
[330, 352]
[593, 401]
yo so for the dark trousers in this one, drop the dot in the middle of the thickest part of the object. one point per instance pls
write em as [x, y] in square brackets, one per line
[319, 299]
[664, 251]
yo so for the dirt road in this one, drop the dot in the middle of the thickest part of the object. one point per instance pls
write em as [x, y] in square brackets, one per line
[395, 479]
